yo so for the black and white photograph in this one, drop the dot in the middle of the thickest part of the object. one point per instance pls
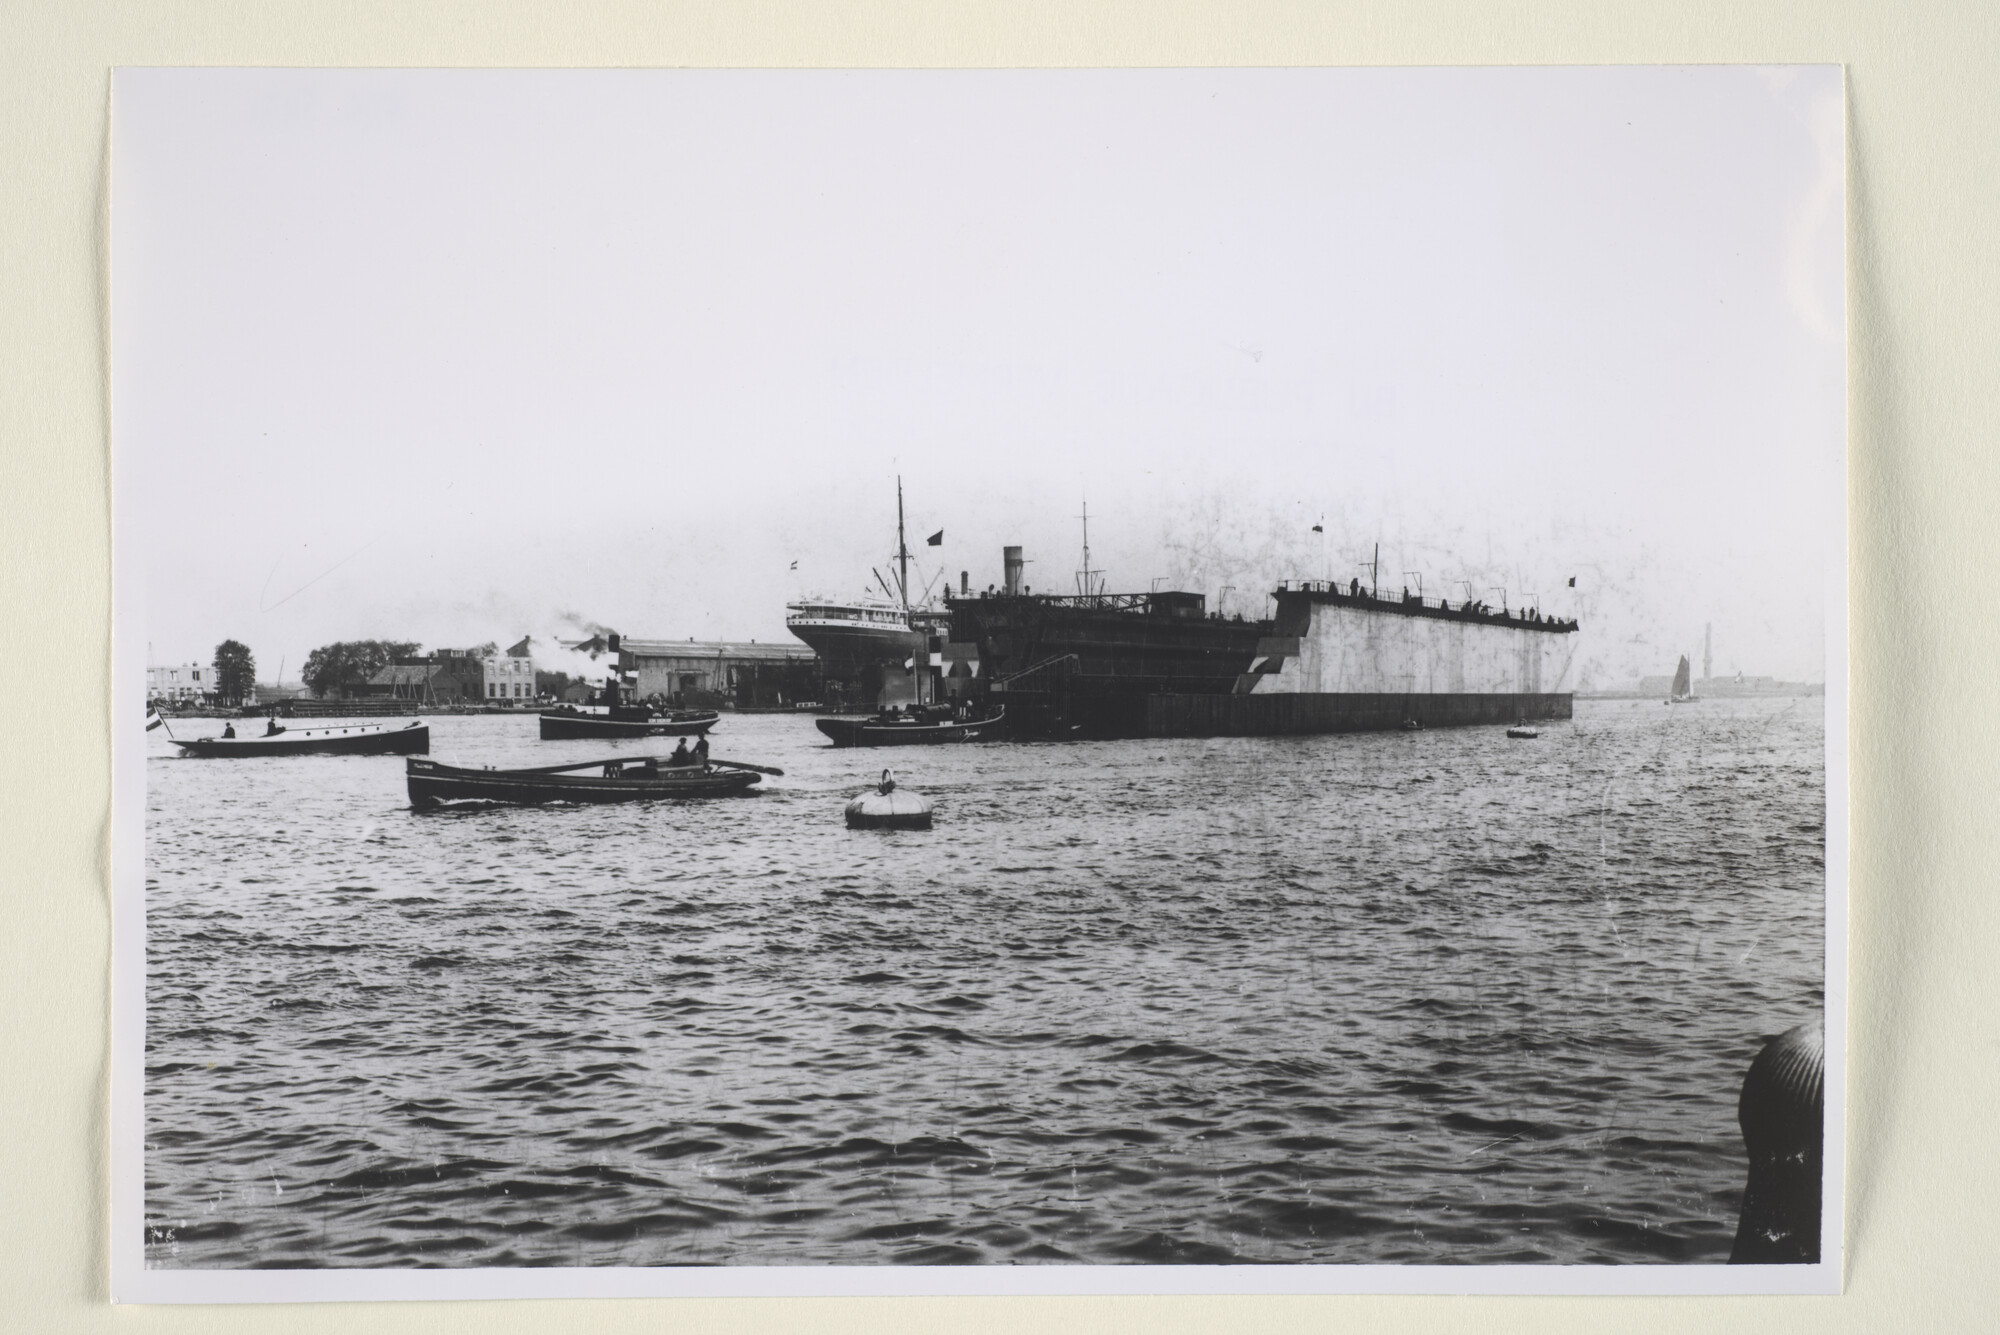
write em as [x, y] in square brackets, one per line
[1013, 681]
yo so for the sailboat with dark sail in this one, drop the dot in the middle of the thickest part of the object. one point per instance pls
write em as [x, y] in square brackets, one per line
[1682, 692]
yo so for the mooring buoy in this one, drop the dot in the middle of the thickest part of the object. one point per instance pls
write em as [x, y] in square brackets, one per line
[888, 808]
[1781, 1111]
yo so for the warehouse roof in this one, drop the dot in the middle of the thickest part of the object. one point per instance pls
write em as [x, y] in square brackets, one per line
[771, 653]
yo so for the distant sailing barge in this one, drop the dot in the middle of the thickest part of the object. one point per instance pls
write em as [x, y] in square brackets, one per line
[1682, 691]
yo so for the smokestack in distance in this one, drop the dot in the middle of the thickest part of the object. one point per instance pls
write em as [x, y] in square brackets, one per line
[964, 582]
[1010, 558]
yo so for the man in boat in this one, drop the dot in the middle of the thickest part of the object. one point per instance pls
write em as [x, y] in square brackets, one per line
[271, 728]
[701, 750]
[228, 729]
[681, 756]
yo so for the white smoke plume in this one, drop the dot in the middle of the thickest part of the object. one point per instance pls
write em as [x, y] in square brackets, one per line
[554, 648]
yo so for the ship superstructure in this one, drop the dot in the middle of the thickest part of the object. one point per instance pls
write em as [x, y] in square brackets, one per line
[875, 652]
[848, 633]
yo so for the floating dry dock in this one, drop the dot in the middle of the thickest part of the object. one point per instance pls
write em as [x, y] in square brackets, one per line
[1341, 659]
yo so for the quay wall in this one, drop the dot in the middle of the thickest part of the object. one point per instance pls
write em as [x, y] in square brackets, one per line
[1298, 712]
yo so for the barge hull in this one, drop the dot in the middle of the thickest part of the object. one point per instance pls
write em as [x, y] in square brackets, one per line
[1294, 713]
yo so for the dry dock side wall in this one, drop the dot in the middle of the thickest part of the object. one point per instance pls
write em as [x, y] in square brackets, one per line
[1262, 715]
[1352, 665]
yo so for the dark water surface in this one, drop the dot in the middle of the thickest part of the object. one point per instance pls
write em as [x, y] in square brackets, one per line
[1433, 997]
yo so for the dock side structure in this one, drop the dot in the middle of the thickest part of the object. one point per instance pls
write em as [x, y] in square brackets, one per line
[1345, 660]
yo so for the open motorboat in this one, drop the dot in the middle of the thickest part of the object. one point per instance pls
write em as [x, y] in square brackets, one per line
[358, 739]
[912, 727]
[618, 779]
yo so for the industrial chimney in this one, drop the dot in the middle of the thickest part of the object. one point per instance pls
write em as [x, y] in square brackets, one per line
[1011, 558]
[964, 583]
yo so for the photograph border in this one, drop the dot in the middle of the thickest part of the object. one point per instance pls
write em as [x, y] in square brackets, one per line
[133, 1282]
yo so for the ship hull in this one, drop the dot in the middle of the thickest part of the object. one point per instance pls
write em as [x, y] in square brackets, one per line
[1014, 633]
[864, 665]
[850, 647]
[1085, 667]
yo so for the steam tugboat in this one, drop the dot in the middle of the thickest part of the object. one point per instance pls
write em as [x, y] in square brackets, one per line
[569, 722]
[608, 715]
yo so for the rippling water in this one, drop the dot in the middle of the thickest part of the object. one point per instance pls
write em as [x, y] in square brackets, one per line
[1432, 997]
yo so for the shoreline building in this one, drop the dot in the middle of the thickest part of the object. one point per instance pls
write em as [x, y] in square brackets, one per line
[509, 677]
[179, 681]
[442, 677]
[712, 673]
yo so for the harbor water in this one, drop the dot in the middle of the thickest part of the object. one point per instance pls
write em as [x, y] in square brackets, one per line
[1433, 997]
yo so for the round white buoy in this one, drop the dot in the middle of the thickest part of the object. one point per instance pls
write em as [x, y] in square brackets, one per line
[888, 809]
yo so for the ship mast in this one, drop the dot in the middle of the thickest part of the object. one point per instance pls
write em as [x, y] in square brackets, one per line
[902, 550]
[1084, 583]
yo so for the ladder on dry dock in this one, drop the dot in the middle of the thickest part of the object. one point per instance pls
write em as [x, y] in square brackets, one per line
[1039, 676]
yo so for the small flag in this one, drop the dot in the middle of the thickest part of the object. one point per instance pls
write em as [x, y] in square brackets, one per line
[1572, 581]
[1318, 529]
[795, 566]
[936, 539]
[153, 721]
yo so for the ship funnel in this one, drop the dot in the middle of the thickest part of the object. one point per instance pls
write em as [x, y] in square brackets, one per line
[1011, 558]
[964, 582]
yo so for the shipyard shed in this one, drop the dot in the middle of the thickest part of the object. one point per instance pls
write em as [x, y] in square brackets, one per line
[710, 672]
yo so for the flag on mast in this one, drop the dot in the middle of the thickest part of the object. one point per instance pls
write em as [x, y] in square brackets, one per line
[936, 539]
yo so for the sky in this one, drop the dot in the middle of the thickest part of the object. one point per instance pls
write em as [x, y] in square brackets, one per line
[455, 356]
